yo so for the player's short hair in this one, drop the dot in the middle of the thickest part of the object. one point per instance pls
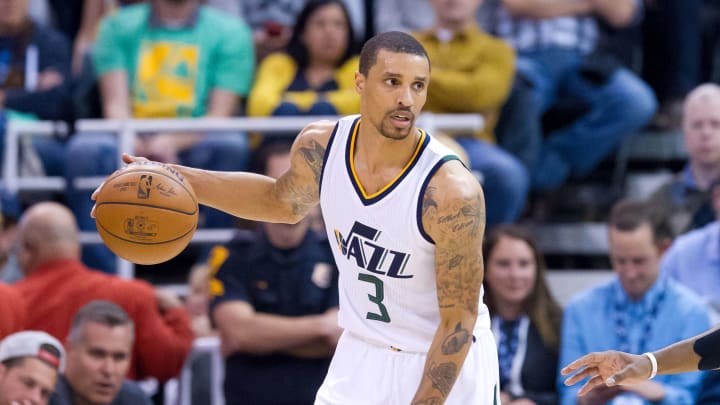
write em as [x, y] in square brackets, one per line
[628, 215]
[103, 312]
[393, 41]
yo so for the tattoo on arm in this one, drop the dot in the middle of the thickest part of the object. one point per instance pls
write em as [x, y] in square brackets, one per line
[429, 401]
[443, 376]
[314, 155]
[428, 201]
[455, 342]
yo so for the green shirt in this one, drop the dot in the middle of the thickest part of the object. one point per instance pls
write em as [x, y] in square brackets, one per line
[171, 71]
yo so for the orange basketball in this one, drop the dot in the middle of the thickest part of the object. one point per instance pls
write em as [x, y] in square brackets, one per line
[146, 213]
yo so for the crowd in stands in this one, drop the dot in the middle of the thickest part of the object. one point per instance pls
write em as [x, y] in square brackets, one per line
[560, 85]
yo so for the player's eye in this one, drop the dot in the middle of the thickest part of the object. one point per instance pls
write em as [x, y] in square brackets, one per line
[392, 82]
[419, 85]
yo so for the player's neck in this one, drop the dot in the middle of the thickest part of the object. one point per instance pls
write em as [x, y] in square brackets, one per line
[378, 151]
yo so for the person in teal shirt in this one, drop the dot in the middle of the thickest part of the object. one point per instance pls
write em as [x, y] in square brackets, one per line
[165, 59]
[637, 311]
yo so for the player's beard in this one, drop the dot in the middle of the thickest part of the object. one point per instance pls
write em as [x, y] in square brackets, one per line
[388, 130]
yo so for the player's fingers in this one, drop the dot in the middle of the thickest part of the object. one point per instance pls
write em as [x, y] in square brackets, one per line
[592, 383]
[581, 375]
[92, 212]
[583, 361]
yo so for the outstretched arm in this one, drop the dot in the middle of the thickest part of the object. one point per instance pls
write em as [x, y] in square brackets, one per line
[618, 368]
[453, 215]
[262, 198]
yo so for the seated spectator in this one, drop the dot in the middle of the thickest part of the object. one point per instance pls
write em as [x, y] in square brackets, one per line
[34, 78]
[693, 259]
[403, 15]
[317, 74]
[686, 199]
[165, 59]
[560, 61]
[57, 285]
[525, 317]
[198, 300]
[638, 311]
[272, 22]
[275, 304]
[30, 362]
[12, 311]
[472, 73]
[99, 348]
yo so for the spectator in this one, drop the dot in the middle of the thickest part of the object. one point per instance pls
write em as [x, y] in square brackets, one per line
[472, 73]
[272, 22]
[165, 59]
[29, 365]
[98, 357]
[12, 311]
[693, 259]
[672, 53]
[526, 319]
[403, 15]
[57, 285]
[317, 74]
[198, 300]
[275, 304]
[686, 199]
[34, 78]
[638, 311]
[560, 63]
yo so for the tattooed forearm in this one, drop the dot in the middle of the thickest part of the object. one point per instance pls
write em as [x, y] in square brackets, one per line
[443, 376]
[455, 342]
[314, 155]
[429, 401]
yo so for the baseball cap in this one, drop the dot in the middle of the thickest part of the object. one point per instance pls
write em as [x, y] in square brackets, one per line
[33, 344]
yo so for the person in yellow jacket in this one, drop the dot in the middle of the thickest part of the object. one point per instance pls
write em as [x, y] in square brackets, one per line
[472, 72]
[316, 76]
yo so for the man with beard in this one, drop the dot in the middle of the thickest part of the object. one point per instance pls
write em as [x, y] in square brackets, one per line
[406, 219]
[98, 358]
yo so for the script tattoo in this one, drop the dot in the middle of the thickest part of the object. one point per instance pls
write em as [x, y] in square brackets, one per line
[442, 376]
[314, 154]
[459, 264]
[455, 342]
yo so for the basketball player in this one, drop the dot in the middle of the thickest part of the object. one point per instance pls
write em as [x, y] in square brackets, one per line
[619, 368]
[406, 220]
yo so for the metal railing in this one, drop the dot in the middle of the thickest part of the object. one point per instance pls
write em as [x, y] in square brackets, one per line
[127, 130]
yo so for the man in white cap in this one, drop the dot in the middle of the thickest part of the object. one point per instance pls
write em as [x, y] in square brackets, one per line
[30, 362]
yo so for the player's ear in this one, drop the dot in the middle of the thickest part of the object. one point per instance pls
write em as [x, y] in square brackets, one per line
[359, 82]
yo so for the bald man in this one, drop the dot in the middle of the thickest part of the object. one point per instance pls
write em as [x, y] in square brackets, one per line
[686, 199]
[57, 285]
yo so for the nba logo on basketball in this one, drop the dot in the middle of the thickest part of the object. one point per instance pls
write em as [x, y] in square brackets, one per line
[143, 191]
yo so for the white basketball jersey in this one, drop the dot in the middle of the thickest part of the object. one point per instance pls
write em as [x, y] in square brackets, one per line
[386, 261]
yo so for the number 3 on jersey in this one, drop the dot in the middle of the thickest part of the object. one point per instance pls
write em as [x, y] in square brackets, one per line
[376, 299]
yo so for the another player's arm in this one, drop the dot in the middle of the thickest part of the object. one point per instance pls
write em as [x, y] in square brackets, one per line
[618, 368]
[262, 198]
[453, 215]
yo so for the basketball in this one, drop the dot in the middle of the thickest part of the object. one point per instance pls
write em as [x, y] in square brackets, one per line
[146, 213]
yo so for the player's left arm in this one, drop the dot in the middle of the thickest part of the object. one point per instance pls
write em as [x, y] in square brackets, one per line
[453, 215]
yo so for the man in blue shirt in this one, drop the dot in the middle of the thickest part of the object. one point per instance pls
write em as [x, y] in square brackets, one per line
[275, 304]
[694, 258]
[686, 198]
[638, 311]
